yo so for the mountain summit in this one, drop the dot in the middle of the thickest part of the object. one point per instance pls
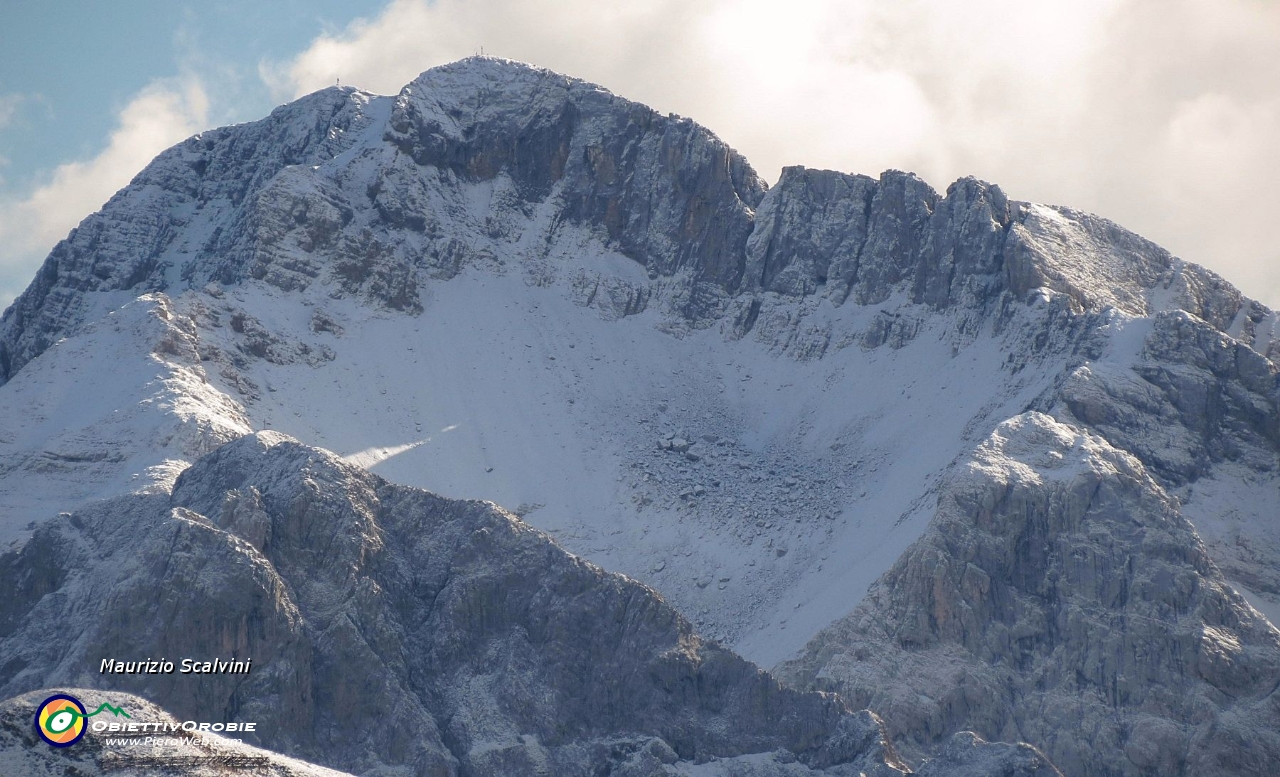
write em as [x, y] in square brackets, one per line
[384, 183]
[991, 469]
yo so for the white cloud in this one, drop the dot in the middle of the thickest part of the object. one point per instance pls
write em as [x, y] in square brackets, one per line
[1160, 114]
[160, 115]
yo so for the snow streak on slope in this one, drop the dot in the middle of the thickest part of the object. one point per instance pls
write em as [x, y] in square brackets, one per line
[123, 406]
[748, 410]
[1234, 512]
[761, 494]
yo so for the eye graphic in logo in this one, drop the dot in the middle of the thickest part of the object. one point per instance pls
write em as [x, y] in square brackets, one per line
[60, 720]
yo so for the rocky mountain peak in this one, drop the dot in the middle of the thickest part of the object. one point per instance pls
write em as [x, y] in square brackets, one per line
[500, 653]
[489, 162]
[509, 285]
[1053, 563]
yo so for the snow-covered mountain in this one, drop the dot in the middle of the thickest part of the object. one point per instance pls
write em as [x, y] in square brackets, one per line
[762, 402]
[394, 631]
[1059, 597]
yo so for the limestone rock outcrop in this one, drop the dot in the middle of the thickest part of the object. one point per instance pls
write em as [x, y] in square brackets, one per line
[1059, 597]
[389, 627]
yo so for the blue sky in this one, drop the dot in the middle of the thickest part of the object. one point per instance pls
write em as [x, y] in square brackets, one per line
[72, 66]
[1159, 114]
[70, 70]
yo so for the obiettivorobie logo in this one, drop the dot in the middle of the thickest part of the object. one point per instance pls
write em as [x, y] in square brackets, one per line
[60, 719]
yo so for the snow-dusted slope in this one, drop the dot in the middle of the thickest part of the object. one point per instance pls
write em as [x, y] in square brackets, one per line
[1060, 596]
[123, 405]
[507, 284]
[801, 482]
[810, 476]
[392, 631]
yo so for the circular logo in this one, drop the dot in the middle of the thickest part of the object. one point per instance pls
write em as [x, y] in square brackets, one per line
[60, 720]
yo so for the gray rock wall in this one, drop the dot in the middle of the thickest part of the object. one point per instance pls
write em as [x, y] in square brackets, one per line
[391, 627]
[376, 196]
[1060, 597]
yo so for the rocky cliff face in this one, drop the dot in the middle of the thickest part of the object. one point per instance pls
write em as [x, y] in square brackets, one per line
[376, 194]
[391, 628]
[168, 210]
[1060, 596]
[826, 351]
[371, 192]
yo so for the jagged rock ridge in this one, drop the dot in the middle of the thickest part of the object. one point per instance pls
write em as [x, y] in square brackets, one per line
[492, 168]
[504, 168]
[393, 628]
[370, 193]
[1060, 596]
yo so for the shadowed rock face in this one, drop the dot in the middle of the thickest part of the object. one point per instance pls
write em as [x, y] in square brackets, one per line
[669, 193]
[1059, 594]
[1196, 398]
[389, 626]
[338, 583]
[848, 235]
[377, 195]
